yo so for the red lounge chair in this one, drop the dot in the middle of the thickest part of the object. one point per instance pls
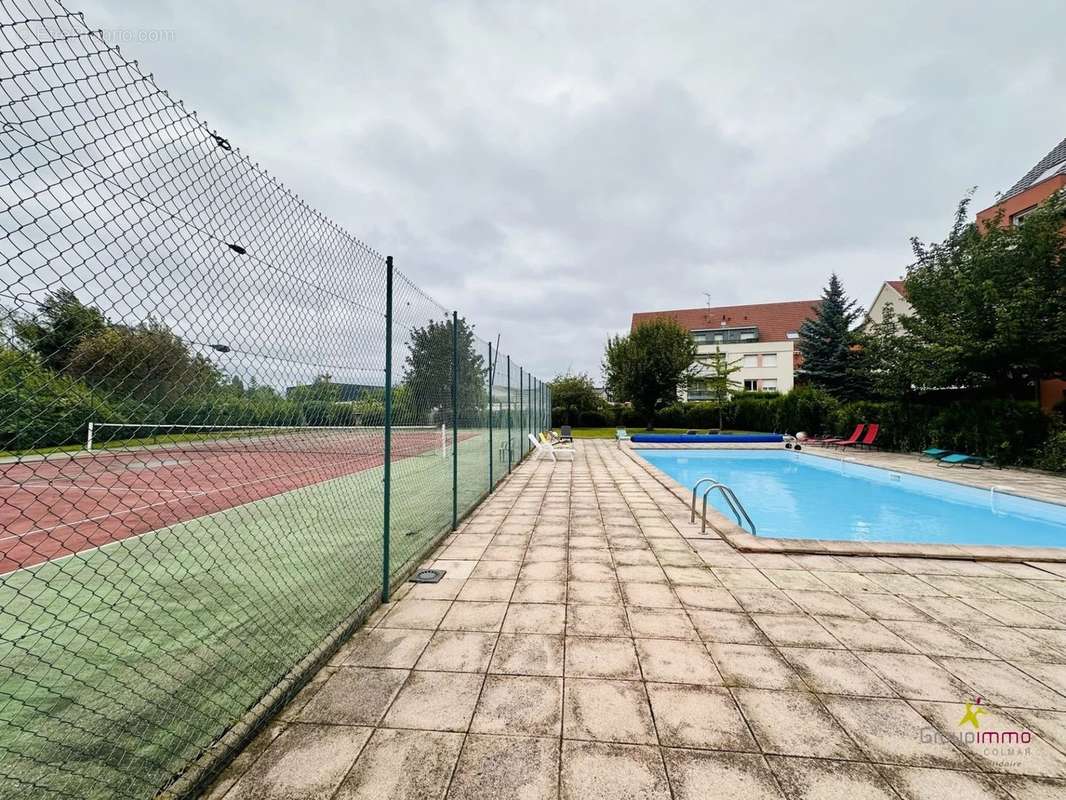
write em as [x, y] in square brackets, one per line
[867, 440]
[855, 434]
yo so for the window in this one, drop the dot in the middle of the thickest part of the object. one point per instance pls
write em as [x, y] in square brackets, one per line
[1017, 219]
[751, 385]
[769, 385]
[792, 335]
[769, 359]
[751, 361]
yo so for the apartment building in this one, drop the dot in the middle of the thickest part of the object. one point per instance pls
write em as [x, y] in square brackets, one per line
[761, 338]
[892, 294]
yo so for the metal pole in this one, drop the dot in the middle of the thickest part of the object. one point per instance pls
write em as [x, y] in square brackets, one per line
[490, 416]
[387, 498]
[521, 414]
[455, 420]
[510, 435]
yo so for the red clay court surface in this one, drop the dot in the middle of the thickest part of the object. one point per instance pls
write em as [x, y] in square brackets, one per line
[70, 502]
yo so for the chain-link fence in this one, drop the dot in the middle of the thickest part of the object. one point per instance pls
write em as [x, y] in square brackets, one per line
[228, 427]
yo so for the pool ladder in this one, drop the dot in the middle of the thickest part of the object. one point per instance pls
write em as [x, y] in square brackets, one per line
[731, 499]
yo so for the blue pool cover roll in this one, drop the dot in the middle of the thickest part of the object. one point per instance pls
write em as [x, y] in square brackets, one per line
[707, 438]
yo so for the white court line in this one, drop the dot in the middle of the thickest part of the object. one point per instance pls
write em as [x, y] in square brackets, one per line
[117, 489]
[123, 512]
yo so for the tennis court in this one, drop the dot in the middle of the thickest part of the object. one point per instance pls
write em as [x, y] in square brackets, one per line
[69, 502]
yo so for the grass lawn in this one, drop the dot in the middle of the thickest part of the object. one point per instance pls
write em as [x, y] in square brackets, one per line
[608, 433]
[118, 665]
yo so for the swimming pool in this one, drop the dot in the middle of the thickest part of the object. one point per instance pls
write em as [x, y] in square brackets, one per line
[793, 495]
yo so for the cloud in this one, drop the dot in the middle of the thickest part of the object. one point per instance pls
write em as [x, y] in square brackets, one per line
[548, 169]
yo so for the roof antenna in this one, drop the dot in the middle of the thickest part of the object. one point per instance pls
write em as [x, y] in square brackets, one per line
[708, 315]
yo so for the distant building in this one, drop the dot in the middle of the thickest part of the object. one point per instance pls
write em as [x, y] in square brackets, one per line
[762, 337]
[1035, 186]
[893, 294]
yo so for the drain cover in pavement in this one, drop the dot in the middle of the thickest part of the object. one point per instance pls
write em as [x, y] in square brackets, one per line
[428, 576]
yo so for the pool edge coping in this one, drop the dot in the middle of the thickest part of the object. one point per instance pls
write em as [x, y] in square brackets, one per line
[739, 539]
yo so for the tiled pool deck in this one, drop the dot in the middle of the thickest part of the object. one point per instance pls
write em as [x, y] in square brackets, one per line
[588, 644]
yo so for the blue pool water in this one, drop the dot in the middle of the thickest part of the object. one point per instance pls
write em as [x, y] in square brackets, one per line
[797, 496]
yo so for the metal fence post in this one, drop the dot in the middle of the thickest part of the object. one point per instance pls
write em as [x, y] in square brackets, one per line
[510, 434]
[490, 416]
[521, 415]
[387, 497]
[455, 420]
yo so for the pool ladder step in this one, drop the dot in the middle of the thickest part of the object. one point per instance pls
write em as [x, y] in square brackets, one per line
[731, 500]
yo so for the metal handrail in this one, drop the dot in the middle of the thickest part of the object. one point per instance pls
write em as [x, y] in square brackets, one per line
[692, 518]
[734, 504]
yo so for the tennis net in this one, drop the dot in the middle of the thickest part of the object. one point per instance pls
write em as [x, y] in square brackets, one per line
[407, 440]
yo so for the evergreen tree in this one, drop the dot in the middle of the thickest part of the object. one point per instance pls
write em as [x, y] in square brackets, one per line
[831, 350]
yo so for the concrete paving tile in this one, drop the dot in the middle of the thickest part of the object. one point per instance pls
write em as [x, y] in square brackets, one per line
[676, 661]
[305, 761]
[864, 634]
[594, 593]
[788, 630]
[698, 716]
[474, 616]
[823, 779]
[528, 654]
[383, 647]
[794, 724]
[539, 592]
[1003, 684]
[1052, 675]
[725, 626]
[740, 578]
[455, 569]
[887, 606]
[588, 657]
[597, 621]
[402, 765]
[917, 677]
[649, 595]
[892, 732]
[794, 579]
[641, 573]
[506, 768]
[519, 704]
[496, 570]
[741, 776]
[660, 623]
[418, 614]
[835, 672]
[435, 701]
[486, 591]
[607, 711]
[544, 618]
[458, 651]
[499, 552]
[444, 590]
[599, 771]
[753, 666]
[1026, 788]
[824, 603]
[354, 696]
[924, 783]
[934, 639]
[1013, 644]
[583, 571]
[543, 571]
[691, 576]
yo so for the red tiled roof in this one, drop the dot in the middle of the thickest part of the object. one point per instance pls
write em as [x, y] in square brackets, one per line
[773, 320]
[899, 286]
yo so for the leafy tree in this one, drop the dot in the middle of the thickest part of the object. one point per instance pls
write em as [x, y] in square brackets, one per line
[428, 372]
[989, 305]
[719, 383]
[61, 324]
[321, 390]
[147, 363]
[647, 367]
[575, 394]
[832, 352]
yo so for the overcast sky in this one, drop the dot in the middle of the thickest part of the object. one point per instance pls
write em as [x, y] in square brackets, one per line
[550, 168]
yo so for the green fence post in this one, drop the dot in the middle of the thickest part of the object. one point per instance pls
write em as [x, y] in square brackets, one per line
[521, 415]
[387, 498]
[510, 434]
[490, 416]
[455, 420]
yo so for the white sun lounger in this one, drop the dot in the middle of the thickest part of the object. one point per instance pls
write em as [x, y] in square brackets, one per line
[545, 450]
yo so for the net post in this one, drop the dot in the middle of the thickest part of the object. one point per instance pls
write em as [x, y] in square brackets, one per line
[455, 420]
[521, 411]
[490, 416]
[89, 438]
[510, 435]
[387, 496]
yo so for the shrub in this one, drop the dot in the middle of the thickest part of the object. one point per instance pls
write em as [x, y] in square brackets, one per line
[592, 419]
[1052, 456]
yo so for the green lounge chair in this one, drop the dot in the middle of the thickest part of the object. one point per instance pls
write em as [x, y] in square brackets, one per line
[621, 435]
[961, 460]
[935, 453]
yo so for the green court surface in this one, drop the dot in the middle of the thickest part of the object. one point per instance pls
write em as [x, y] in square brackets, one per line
[120, 664]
